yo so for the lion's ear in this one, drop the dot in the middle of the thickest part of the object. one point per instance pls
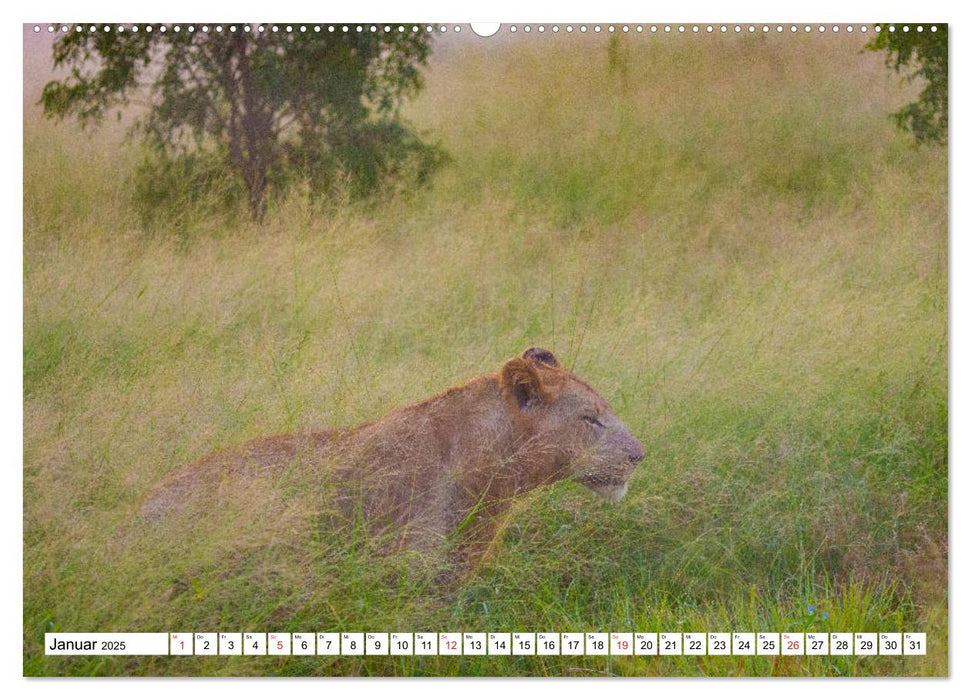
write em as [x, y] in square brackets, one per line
[541, 356]
[521, 385]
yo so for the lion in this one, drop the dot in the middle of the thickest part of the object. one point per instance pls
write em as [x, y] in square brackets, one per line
[439, 473]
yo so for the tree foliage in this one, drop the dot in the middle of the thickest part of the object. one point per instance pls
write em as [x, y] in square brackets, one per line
[266, 104]
[923, 55]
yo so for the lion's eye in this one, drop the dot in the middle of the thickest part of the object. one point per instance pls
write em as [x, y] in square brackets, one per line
[593, 420]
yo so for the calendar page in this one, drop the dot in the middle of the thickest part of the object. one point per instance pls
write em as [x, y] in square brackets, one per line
[520, 349]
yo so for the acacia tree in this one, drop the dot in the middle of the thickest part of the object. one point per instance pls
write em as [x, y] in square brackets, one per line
[263, 101]
[926, 53]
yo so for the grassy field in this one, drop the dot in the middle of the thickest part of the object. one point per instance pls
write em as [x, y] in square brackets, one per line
[725, 235]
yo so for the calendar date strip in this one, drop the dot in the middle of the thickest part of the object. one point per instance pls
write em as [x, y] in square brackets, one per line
[487, 644]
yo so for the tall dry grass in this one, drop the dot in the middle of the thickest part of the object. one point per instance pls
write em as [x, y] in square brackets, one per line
[724, 235]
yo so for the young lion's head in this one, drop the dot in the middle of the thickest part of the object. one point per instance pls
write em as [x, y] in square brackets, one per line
[566, 426]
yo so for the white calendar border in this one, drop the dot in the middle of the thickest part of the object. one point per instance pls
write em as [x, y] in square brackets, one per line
[827, 10]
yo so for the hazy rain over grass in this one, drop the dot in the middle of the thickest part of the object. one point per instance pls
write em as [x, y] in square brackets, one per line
[725, 235]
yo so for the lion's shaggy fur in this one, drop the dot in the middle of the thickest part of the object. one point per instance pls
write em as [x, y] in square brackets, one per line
[441, 472]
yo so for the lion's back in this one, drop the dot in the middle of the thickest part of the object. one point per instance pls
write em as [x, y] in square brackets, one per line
[261, 461]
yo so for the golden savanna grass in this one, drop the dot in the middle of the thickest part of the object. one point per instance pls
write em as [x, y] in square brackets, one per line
[725, 236]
